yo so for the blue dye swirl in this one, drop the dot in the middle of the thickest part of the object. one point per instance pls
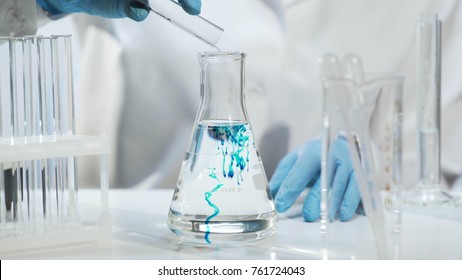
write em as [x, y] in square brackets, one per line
[233, 142]
[216, 210]
[236, 137]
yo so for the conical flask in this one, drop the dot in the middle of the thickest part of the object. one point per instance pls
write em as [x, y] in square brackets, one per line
[222, 194]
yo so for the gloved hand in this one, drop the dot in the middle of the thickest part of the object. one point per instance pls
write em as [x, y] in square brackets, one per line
[192, 7]
[302, 168]
[109, 8]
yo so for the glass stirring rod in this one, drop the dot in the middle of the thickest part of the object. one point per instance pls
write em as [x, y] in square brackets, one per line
[197, 26]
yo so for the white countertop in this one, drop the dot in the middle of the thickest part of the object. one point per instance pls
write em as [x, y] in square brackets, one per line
[139, 231]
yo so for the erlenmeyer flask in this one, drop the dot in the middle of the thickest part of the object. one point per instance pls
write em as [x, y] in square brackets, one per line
[222, 194]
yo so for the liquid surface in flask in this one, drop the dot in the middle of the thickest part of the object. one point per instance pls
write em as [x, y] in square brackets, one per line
[222, 193]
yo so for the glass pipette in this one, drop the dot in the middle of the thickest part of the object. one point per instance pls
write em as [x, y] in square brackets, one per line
[197, 26]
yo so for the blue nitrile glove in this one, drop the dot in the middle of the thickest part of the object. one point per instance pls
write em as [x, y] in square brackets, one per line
[109, 8]
[192, 7]
[302, 168]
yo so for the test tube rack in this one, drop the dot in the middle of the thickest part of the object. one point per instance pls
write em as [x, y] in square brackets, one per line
[39, 148]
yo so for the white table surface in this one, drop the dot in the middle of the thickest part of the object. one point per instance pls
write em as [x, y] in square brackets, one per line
[139, 231]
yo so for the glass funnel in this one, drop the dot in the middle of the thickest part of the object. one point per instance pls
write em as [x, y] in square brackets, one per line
[222, 194]
[363, 132]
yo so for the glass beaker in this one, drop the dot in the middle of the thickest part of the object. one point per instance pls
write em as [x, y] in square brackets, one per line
[363, 132]
[222, 194]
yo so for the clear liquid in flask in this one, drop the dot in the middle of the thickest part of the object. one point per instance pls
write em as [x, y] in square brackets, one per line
[222, 193]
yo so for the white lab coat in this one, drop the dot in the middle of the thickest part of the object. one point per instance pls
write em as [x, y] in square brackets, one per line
[383, 33]
[139, 82]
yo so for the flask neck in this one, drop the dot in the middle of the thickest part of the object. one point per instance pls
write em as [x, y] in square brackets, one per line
[222, 87]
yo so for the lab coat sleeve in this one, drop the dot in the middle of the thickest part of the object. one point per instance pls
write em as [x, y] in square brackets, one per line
[42, 17]
[99, 94]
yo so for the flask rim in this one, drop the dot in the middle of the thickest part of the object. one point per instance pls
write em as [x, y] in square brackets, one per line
[221, 56]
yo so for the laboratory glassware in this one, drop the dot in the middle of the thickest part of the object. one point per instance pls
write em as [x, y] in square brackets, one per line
[352, 67]
[429, 191]
[195, 25]
[362, 124]
[39, 148]
[222, 194]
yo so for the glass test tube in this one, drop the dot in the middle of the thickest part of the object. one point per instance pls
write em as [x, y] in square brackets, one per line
[197, 26]
[64, 120]
[17, 124]
[47, 129]
[32, 171]
[36, 105]
[21, 181]
[57, 120]
[4, 124]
